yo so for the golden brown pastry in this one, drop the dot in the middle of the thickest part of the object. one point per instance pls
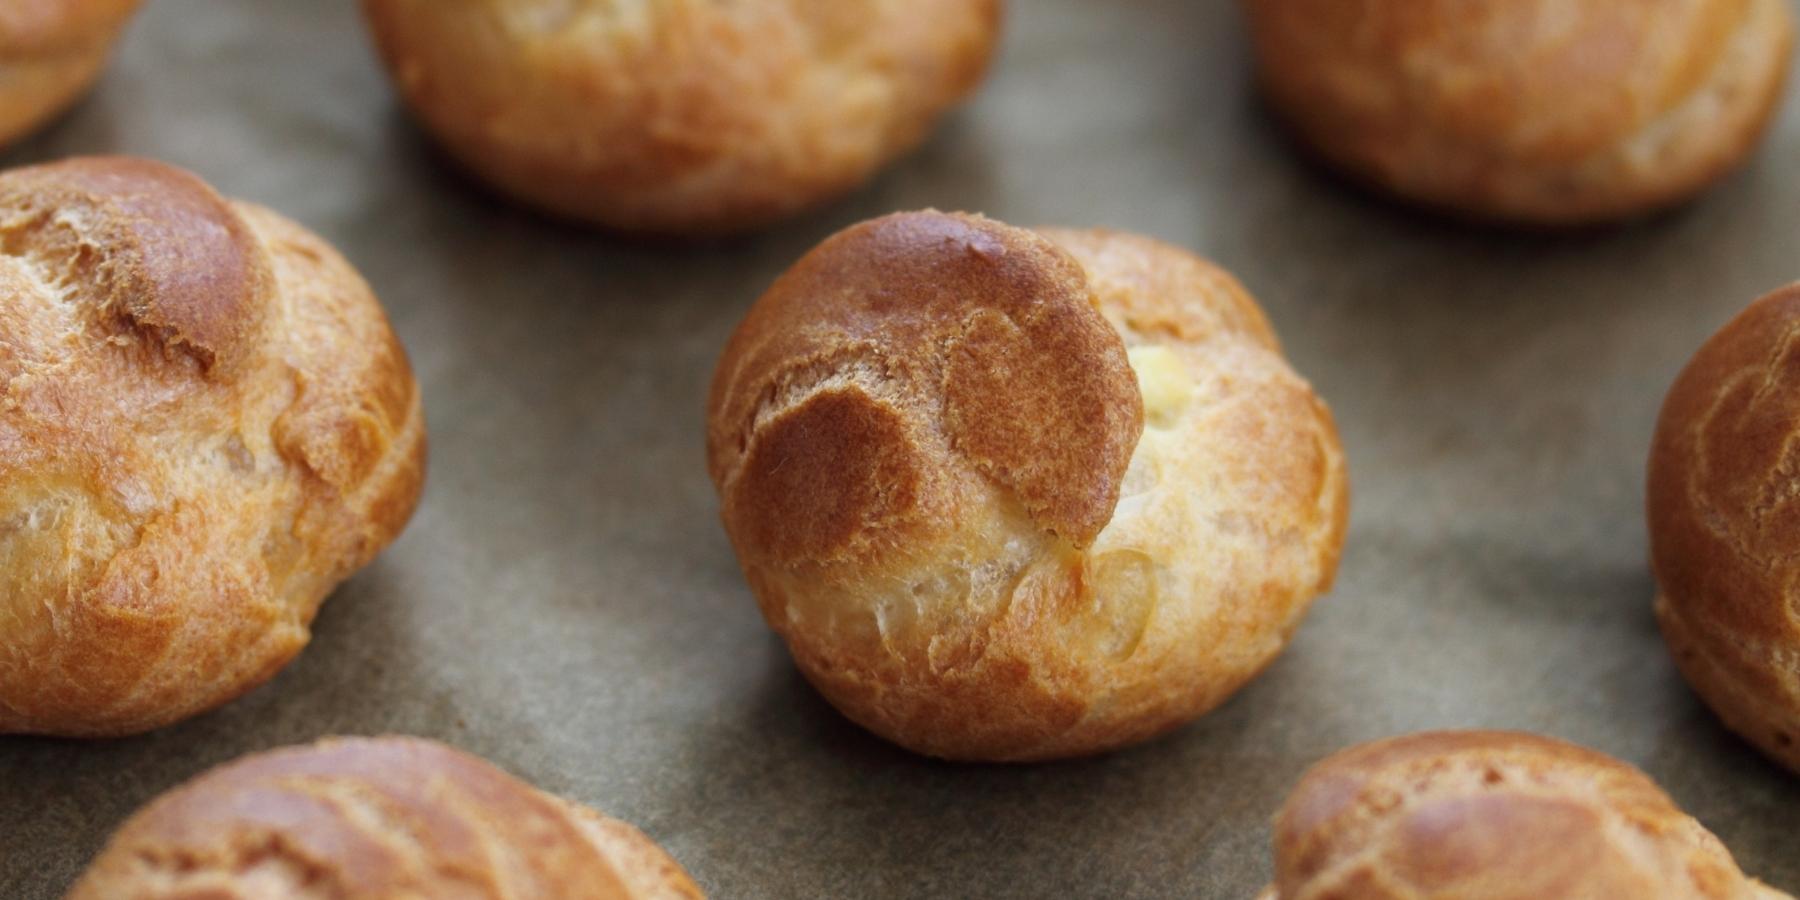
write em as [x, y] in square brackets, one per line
[1491, 815]
[1725, 522]
[50, 53]
[390, 818]
[1017, 495]
[1547, 112]
[205, 425]
[682, 116]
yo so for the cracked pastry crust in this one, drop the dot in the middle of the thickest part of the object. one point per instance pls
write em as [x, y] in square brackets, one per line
[390, 818]
[205, 425]
[1724, 515]
[51, 51]
[1539, 112]
[681, 117]
[1017, 495]
[1490, 815]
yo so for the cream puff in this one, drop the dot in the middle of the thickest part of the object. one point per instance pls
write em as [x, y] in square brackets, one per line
[51, 51]
[681, 117]
[1488, 815]
[1724, 517]
[1538, 112]
[206, 424]
[1020, 495]
[389, 818]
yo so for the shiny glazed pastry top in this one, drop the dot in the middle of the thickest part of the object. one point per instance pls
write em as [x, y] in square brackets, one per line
[1725, 521]
[681, 117]
[50, 53]
[205, 425]
[1015, 495]
[1484, 815]
[1545, 112]
[375, 819]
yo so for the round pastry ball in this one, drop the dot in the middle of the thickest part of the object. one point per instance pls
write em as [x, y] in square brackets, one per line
[391, 818]
[1724, 508]
[205, 425]
[1489, 815]
[682, 117]
[1537, 112]
[51, 51]
[1020, 495]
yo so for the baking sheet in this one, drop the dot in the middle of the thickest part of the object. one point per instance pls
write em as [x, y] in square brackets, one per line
[565, 602]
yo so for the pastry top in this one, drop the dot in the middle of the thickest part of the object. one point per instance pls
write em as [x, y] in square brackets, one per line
[146, 249]
[1724, 520]
[1554, 111]
[205, 424]
[1016, 495]
[376, 819]
[1724, 517]
[50, 53]
[34, 27]
[1155, 293]
[1484, 815]
[923, 343]
[682, 115]
[1546, 80]
[41, 26]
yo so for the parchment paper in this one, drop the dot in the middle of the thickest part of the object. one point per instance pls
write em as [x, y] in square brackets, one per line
[565, 602]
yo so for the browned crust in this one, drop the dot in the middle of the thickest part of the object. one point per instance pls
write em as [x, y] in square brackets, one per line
[1541, 112]
[374, 819]
[959, 343]
[679, 117]
[50, 53]
[1492, 815]
[206, 423]
[926, 594]
[206, 298]
[1724, 521]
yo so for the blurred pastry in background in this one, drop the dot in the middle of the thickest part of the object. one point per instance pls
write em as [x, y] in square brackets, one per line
[206, 424]
[1021, 495]
[51, 52]
[682, 117]
[1490, 815]
[1724, 512]
[1534, 112]
[390, 818]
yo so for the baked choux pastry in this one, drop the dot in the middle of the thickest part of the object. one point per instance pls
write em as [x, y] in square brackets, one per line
[681, 117]
[1725, 522]
[1535, 112]
[375, 819]
[1490, 815]
[51, 51]
[1020, 495]
[205, 425]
